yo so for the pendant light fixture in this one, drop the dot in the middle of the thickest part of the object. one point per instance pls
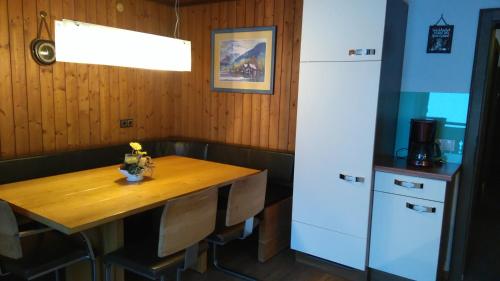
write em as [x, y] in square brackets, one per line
[80, 42]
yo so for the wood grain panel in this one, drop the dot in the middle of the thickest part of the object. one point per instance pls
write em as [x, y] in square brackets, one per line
[7, 135]
[266, 121]
[71, 106]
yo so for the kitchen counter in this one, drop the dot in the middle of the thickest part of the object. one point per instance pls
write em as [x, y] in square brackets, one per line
[445, 172]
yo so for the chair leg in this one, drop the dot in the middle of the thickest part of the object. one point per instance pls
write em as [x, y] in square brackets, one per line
[178, 275]
[57, 275]
[228, 271]
[108, 274]
[93, 269]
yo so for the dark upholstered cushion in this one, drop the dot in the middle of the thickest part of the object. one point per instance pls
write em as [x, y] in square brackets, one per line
[190, 149]
[228, 154]
[60, 163]
[45, 252]
[279, 166]
[143, 259]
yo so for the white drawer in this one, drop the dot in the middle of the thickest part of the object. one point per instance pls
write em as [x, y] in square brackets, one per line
[410, 186]
[405, 236]
[329, 245]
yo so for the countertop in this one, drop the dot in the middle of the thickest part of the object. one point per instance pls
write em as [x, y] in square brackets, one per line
[444, 172]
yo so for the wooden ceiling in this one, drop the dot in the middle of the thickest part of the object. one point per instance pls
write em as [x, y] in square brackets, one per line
[191, 2]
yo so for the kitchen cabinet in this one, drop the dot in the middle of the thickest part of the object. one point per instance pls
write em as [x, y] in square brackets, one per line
[412, 224]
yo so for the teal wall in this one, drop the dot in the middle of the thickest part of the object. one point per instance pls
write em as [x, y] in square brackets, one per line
[450, 109]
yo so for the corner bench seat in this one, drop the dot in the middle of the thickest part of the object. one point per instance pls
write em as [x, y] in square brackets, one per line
[274, 231]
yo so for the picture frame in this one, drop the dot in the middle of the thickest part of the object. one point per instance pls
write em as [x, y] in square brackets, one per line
[243, 60]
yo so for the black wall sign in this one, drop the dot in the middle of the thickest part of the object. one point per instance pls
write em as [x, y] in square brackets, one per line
[440, 38]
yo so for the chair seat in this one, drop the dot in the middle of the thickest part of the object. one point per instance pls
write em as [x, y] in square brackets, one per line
[223, 234]
[142, 258]
[45, 252]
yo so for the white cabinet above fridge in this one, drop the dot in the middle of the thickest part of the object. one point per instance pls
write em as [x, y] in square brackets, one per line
[333, 28]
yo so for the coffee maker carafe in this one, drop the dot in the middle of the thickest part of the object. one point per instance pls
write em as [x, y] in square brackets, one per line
[423, 151]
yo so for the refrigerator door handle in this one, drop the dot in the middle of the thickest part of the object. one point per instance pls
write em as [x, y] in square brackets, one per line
[352, 179]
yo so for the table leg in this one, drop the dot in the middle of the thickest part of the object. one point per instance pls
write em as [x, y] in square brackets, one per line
[105, 239]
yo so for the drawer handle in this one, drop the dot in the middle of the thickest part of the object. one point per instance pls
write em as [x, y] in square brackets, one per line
[409, 184]
[420, 209]
[351, 178]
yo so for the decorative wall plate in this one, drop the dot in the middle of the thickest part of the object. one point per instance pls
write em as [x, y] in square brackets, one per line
[43, 51]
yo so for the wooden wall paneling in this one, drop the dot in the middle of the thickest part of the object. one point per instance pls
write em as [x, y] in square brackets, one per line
[104, 89]
[238, 99]
[265, 100]
[18, 70]
[157, 130]
[30, 18]
[275, 99]
[190, 94]
[213, 95]
[247, 98]
[297, 33]
[165, 77]
[83, 85]
[286, 75]
[47, 91]
[198, 71]
[256, 98]
[72, 106]
[141, 74]
[59, 82]
[7, 130]
[131, 94]
[206, 29]
[230, 97]
[222, 97]
[114, 81]
[185, 76]
[94, 87]
[153, 108]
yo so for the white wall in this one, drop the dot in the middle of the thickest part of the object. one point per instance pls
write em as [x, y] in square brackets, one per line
[424, 72]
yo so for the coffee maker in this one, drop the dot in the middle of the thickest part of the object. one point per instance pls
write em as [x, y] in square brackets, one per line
[423, 151]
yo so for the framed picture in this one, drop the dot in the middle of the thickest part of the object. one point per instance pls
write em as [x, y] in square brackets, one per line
[243, 60]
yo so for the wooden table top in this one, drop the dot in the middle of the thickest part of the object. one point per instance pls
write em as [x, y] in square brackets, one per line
[81, 200]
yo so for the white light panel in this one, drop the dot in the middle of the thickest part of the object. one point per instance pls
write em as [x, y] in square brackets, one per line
[80, 42]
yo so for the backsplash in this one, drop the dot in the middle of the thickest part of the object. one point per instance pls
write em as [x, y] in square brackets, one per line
[450, 109]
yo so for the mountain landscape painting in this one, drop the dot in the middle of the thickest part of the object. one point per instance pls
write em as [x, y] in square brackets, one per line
[242, 60]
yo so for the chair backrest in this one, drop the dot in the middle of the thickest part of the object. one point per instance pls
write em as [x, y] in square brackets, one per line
[186, 221]
[246, 198]
[10, 243]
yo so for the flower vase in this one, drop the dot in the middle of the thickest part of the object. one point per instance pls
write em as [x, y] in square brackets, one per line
[131, 177]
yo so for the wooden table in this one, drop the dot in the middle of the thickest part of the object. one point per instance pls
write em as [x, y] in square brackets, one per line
[96, 200]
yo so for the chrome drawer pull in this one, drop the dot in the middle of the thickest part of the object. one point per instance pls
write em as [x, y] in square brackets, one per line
[409, 184]
[351, 178]
[420, 209]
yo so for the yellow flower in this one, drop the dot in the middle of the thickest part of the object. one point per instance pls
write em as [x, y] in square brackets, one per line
[136, 146]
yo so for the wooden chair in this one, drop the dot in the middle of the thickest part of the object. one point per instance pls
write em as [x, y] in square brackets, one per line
[31, 253]
[185, 222]
[245, 201]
